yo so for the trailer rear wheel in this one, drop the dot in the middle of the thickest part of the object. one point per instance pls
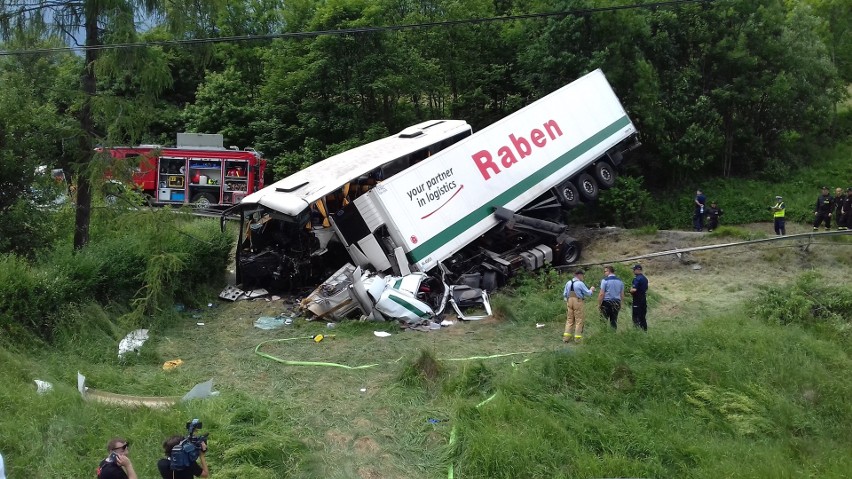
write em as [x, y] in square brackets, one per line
[605, 174]
[567, 194]
[588, 187]
[203, 200]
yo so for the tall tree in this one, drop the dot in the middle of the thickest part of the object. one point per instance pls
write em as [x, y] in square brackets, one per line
[92, 25]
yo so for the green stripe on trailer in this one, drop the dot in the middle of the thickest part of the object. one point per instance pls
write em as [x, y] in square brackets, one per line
[429, 246]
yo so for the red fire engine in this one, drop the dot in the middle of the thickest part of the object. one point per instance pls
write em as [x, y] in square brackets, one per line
[198, 171]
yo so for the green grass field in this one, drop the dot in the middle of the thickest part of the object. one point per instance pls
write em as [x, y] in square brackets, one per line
[744, 373]
[724, 395]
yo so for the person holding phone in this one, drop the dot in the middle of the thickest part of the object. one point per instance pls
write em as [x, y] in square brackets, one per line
[116, 465]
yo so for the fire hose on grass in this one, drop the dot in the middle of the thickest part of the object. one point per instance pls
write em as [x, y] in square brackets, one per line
[318, 338]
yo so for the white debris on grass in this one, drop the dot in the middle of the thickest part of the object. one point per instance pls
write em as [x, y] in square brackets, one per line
[132, 342]
[42, 386]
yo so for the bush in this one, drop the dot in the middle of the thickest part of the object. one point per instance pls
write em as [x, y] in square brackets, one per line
[625, 202]
[812, 302]
[151, 258]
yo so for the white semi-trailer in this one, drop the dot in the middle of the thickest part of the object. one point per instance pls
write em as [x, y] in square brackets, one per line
[460, 206]
[481, 206]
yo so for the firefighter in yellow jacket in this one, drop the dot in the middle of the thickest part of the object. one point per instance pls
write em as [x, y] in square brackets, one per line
[575, 292]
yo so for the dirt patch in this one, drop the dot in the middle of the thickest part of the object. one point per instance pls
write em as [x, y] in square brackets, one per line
[366, 445]
[701, 280]
[369, 473]
[337, 438]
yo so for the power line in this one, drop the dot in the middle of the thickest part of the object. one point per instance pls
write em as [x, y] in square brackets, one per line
[350, 31]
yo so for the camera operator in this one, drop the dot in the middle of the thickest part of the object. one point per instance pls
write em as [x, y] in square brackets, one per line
[117, 465]
[194, 470]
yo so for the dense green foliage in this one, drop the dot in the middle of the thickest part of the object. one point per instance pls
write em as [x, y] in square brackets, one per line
[145, 261]
[747, 200]
[728, 88]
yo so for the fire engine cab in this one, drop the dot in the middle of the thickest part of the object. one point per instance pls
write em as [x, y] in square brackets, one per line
[199, 171]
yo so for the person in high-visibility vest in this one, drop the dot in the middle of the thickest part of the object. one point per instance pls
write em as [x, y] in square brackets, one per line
[778, 214]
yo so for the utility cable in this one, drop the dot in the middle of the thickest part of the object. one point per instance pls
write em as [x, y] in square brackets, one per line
[350, 31]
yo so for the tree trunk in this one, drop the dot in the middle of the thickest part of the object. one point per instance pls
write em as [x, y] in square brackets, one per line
[87, 126]
[729, 146]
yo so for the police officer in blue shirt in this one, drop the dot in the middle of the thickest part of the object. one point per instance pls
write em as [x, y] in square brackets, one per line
[611, 296]
[640, 303]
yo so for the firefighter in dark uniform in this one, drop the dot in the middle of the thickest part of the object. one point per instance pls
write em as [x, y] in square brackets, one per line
[838, 207]
[823, 209]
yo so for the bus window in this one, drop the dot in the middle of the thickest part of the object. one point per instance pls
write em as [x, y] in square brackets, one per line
[419, 156]
[395, 166]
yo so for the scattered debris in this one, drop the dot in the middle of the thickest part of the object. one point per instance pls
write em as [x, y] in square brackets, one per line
[276, 298]
[231, 293]
[447, 322]
[256, 293]
[363, 390]
[199, 391]
[199, 324]
[169, 365]
[268, 322]
[132, 342]
[42, 387]
[317, 337]
[381, 334]
[330, 325]
[331, 298]
[696, 267]
[540, 325]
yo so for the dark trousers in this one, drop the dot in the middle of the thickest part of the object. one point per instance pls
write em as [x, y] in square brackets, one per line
[820, 217]
[640, 309]
[609, 310]
[779, 226]
[698, 221]
[713, 224]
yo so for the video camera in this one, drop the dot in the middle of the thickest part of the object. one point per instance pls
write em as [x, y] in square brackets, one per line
[186, 452]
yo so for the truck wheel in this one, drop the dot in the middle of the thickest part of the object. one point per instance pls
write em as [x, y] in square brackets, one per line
[570, 252]
[203, 200]
[567, 194]
[605, 174]
[588, 187]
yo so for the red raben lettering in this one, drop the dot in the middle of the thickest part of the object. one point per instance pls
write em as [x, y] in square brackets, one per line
[517, 149]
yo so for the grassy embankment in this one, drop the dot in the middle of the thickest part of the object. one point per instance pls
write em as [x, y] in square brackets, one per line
[757, 389]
